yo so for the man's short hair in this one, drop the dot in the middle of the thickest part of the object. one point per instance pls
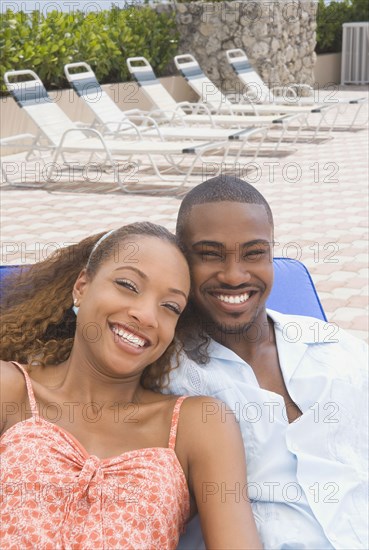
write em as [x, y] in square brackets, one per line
[219, 189]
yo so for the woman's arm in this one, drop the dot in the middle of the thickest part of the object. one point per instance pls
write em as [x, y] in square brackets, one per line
[217, 476]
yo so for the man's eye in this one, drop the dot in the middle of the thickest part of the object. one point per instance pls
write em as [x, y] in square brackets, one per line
[211, 254]
[255, 252]
[173, 307]
[126, 283]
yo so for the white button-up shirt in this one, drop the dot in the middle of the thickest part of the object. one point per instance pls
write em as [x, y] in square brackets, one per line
[307, 479]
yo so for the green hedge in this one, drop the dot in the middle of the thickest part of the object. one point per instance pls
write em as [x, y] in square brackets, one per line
[330, 18]
[45, 43]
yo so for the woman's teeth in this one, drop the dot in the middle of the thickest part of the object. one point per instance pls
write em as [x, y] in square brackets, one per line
[228, 299]
[129, 337]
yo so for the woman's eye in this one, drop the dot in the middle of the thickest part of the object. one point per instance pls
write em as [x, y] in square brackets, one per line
[173, 307]
[126, 283]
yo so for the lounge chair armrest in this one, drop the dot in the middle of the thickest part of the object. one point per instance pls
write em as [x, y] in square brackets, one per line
[284, 91]
[302, 88]
[168, 116]
[245, 99]
[198, 108]
[194, 108]
[87, 131]
[82, 125]
[147, 122]
[144, 118]
[132, 112]
[292, 91]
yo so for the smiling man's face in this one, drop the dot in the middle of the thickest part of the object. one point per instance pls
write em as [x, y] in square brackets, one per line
[230, 252]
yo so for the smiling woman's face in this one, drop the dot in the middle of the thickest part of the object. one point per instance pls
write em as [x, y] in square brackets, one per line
[129, 309]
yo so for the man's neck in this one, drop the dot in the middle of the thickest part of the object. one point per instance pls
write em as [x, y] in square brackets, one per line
[252, 343]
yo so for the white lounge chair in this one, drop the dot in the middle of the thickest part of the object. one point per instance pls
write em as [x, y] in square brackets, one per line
[166, 108]
[110, 119]
[63, 136]
[287, 96]
[219, 103]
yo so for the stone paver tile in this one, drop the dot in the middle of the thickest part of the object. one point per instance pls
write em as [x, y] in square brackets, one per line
[360, 323]
[347, 314]
[332, 304]
[327, 269]
[361, 244]
[343, 324]
[344, 276]
[356, 283]
[342, 293]
[358, 301]
[351, 234]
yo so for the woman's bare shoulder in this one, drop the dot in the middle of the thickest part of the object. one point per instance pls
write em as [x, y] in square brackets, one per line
[13, 392]
[10, 374]
[205, 425]
[206, 405]
[206, 412]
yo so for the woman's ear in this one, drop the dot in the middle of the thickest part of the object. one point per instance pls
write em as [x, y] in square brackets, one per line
[80, 287]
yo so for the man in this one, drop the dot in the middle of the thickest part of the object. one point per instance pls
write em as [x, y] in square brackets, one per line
[302, 405]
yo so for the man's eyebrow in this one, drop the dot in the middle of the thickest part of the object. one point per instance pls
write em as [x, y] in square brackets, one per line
[258, 241]
[145, 278]
[207, 243]
[221, 245]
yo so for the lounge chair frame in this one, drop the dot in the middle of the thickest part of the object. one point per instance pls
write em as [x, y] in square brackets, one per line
[287, 96]
[110, 119]
[186, 113]
[219, 103]
[63, 136]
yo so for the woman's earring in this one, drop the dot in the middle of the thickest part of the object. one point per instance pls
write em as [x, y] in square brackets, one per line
[75, 307]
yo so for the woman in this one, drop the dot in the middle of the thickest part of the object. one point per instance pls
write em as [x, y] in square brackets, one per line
[91, 458]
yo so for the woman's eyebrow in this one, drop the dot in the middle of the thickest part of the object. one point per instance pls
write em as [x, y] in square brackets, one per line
[177, 291]
[145, 278]
[135, 269]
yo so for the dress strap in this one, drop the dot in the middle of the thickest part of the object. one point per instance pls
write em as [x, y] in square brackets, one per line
[31, 395]
[175, 417]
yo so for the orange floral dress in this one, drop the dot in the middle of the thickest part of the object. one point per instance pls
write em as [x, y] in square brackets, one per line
[54, 495]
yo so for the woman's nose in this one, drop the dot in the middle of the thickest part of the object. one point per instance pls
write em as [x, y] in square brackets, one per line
[145, 313]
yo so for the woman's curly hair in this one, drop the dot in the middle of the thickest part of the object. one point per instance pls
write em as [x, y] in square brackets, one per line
[192, 335]
[37, 321]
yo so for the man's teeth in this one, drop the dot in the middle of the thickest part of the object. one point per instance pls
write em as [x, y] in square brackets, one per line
[239, 299]
[129, 337]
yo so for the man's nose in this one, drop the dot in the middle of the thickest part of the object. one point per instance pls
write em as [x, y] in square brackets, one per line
[233, 272]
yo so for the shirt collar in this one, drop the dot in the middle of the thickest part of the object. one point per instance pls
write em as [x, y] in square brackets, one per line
[292, 329]
[300, 329]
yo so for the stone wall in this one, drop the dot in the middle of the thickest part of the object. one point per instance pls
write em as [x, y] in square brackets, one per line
[278, 37]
